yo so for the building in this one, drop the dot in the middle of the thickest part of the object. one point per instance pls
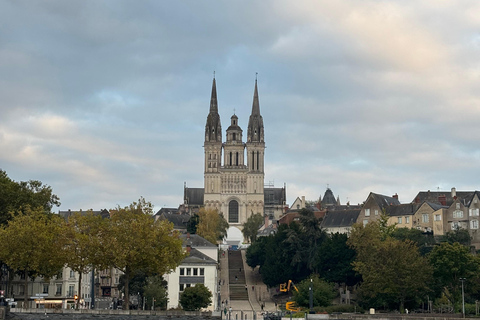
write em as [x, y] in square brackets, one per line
[200, 266]
[234, 171]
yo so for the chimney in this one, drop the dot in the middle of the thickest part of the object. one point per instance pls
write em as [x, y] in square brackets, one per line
[266, 220]
[417, 200]
[303, 202]
[454, 192]
[189, 248]
[395, 196]
[188, 235]
[442, 199]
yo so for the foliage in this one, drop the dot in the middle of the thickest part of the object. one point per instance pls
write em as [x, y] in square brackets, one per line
[85, 244]
[138, 242]
[256, 252]
[251, 226]
[193, 223]
[195, 298]
[212, 226]
[312, 235]
[450, 263]
[424, 241]
[16, 197]
[155, 288]
[393, 271]
[33, 243]
[137, 282]
[335, 263]
[459, 235]
[323, 292]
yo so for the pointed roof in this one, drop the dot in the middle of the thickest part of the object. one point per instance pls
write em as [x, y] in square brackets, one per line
[213, 99]
[255, 122]
[213, 127]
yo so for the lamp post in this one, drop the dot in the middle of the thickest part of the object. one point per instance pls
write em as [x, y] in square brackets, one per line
[311, 296]
[463, 297]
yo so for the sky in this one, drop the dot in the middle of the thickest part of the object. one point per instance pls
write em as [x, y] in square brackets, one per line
[106, 101]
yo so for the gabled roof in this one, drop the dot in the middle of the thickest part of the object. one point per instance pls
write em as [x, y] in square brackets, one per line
[340, 218]
[193, 196]
[179, 220]
[402, 209]
[384, 201]
[197, 257]
[435, 206]
[269, 230]
[328, 199]
[195, 241]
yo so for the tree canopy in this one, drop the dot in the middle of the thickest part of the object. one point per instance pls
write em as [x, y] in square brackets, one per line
[211, 225]
[251, 226]
[195, 298]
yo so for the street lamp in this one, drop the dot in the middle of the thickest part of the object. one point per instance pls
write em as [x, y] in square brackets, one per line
[463, 297]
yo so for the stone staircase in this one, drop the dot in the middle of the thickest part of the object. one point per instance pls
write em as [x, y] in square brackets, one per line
[236, 276]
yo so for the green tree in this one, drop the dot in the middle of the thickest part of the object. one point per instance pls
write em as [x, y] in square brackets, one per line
[312, 235]
[155, 289]
[193, 223]
[16, 197]
[32, 243]
[459, 235]
[450, 263]
[424, 241]
[138, 242]
[323, 292]
[251, 226]
[212, 226]
[195, 298]
[256, 252]
[393, 271]
[85, 244]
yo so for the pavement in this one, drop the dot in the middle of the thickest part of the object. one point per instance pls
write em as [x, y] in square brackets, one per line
[257, 291]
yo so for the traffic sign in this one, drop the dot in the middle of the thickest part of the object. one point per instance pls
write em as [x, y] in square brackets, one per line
[41, 294]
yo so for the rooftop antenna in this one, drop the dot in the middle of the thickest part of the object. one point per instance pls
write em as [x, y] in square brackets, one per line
[213, 74]
[256, 74]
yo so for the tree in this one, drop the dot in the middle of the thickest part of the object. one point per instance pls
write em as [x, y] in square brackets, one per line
[312, 236]
[450, 263]
[459, 235]
[256, 252]
[155, 289]
[212, 226]
[15, 197]
[323, 292]
[193, 223]
[85, 244]
[393, 271]
[32, 243]
[138, 242]
[251, 226]
[195, 298]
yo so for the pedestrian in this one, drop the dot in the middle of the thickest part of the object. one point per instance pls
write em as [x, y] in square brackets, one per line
[224, 281]
[226, 301]
[240, 269]
[236, 278]
[253, 288]
[262, 306]
[246, 287]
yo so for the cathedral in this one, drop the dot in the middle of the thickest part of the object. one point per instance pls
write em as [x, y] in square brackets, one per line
[234, 170]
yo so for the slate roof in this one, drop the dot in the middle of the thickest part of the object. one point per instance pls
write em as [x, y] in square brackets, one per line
[340, 218]
[384, 201]
[197, 257]
[328, 199]
[193, 196]
[435, 196]
[402, 209]
[179, 220]
[195, 241]
[274, 196]
[269, 230]
[68, 213]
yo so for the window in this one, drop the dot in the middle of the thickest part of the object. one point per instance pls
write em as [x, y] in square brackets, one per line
[365, 221]
[45, 288]
[425, 217]
[189, 272]
[376, 212]
[438, 217]
[399, 220]
[474, 224]
[234, 136]
[182, 271]
[182, 287]
[58, 292]
[407, 219]
[71, 289]
[195, 271]
[233, 212]
[474, 212]
[457, 205]
[202, 271]
[455, 226]
[72, 274]
[367, 212]
[458, 214]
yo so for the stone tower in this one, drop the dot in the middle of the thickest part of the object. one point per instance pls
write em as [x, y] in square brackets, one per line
[231, 187]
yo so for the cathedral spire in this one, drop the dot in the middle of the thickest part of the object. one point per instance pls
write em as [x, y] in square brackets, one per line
[213, 127]
[255, 122]
[213, 99]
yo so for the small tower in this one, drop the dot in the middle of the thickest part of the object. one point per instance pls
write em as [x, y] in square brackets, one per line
[234, 147]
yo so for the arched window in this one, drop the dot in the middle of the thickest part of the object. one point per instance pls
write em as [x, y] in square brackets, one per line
[233, 211]
[230, 158]
[236, 160]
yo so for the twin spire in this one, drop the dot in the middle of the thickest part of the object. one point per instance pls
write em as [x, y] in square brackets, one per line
[255, 122]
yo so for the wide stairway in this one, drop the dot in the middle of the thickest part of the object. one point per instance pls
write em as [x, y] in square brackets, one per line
[236, 276]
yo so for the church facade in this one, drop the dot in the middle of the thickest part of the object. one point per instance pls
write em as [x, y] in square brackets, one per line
[234, 169]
